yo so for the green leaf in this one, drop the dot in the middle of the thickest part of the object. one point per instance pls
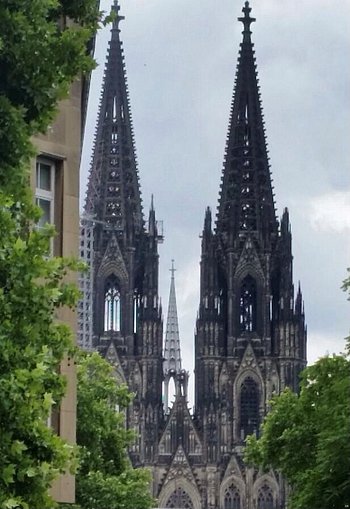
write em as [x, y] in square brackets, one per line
[17, 447]
[11, 503]
[19, 244]
[7, 474]
[31, 472]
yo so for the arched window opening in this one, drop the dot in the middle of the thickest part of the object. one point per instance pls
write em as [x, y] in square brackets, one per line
[265, 498]
[232, 499]
[136, 311]
[179, 499]
[248, 304]
[249, 407]
[112, 315]
[114, 108]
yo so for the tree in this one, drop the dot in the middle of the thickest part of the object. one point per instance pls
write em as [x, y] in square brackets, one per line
[106, 477]
[40, 55]
[306, 437]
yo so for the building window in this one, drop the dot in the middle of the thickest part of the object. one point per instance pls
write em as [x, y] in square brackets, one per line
[136, 313]
[179, 499]
[265, 498]
[232, 499]
[248, 304]
[112, 313]
[249, 408]
[45, 190]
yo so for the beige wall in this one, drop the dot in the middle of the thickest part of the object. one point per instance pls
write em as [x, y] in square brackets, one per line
[62, 145]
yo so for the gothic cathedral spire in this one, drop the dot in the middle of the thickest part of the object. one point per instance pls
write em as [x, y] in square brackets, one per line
[172, 352]
[121, 289]
[246, 201]
[114, 195]
[250, 336]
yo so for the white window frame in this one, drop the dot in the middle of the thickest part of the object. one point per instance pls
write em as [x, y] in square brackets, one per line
[43, 194]
[47, 195]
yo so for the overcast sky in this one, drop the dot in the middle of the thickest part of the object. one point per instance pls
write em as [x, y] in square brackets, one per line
[181, 58]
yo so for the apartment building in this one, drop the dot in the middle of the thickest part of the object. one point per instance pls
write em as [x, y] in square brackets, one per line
[55, 180]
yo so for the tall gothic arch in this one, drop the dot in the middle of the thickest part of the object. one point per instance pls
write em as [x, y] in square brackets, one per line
[265, 498]
[249, 407]
[232, 498]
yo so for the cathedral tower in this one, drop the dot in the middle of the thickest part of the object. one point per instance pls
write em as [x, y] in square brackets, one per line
[251, 339]
[121, 291]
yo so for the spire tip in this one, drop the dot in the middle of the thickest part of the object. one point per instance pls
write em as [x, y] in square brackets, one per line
[172, 270]
[118, 18]
[247, 21]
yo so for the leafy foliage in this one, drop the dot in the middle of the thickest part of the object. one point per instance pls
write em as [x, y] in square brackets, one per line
[32, 345]
[106, 478]
[40, 55]
[129, 490]
[307, 437]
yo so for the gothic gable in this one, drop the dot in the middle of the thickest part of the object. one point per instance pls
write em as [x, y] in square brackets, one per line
[249, 261]
[180, 467]
[112, 357]
[233, 485]
[249, 366]
[113, 262]
[180, 482]
[189, 435]
[233, 469]
[266, 491]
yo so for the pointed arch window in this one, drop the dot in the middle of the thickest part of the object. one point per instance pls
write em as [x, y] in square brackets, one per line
[114, 108]
[232, 499]
[249, 422]
[179, 499]
[248, 305]
[136, 311]
[265, 498]
[112, 309]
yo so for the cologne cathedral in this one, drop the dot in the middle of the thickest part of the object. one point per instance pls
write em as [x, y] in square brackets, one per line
[250, 339]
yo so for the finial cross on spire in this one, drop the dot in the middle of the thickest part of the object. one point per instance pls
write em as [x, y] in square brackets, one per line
[247, 21]
[118, 18]
[172, 270]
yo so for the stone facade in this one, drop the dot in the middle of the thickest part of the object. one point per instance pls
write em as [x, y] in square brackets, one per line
[59, 156]
[59, 152]
[250, 339]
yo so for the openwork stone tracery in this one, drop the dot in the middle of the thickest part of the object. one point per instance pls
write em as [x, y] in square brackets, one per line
[179, 499]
